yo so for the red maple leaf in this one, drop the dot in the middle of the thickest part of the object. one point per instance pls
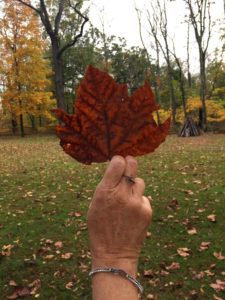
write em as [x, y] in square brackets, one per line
[107, 121]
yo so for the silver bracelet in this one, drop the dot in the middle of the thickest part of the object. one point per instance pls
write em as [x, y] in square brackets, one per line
[121, 273]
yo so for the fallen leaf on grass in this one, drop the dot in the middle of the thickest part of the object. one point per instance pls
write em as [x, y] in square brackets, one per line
[49, 257]
[48, 241]
[6, 250]
[74, 214]
[218, 285]
[184, 252]
[148, 234]
[69, 285]
[58, 244]
[193, 294]
[43, 250]
[59, 273]
[12, 283]
[200, 210]
[199, 275]
[67, 255]
[204, 246]
[219, 255]
[148, 273]
[164, 273]
[35, 286]
[209, 273]
[212, 218]
[19, 291]
[197, 181]
[173, 204]
[150, 297]
[173, 266]
[189, 192]
[192, 231]
[83, 267]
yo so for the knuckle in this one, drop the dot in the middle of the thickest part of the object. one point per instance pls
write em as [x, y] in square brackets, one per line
[131, 160]
[140, 182]
[118, 161]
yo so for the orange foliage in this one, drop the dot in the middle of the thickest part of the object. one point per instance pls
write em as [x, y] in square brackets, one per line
[23, 69]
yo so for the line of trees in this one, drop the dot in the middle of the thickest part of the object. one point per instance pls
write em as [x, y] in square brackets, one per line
[47, 45]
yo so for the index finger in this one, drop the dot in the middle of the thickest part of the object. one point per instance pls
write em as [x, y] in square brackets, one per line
[114, 172]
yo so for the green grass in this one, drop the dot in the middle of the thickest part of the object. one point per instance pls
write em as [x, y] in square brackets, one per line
[40, 186]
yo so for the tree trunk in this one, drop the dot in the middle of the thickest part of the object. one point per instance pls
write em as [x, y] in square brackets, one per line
[182, 89]
[14, 124]
[203, 90]
[172, 95]
[58, 76]
[22, 133]
[40, 121]
[32, 120]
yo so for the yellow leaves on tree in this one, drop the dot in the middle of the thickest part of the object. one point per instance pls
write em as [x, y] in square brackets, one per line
[162, 114]
[215, 110]
[23, 69]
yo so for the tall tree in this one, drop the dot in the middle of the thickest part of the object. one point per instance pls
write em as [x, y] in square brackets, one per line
[154, 69]
[60, 18]
[24, 70]
[200, 18]
[158, 28]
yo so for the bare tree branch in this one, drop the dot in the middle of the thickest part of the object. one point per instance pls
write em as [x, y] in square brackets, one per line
[76, 38]
[29, 5]
[141, 36]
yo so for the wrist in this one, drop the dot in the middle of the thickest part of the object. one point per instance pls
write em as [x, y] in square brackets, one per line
[129, 265]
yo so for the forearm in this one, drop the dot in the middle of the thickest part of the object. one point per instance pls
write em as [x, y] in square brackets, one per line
[107, 286]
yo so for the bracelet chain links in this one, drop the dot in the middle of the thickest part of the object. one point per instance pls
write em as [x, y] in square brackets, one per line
[121, 273]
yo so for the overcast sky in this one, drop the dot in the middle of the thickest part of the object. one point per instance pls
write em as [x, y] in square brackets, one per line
[121, 20]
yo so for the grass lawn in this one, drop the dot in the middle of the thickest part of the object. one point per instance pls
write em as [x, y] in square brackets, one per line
[44, 196]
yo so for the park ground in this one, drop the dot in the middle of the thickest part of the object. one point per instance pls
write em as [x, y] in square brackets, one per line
[44, 197]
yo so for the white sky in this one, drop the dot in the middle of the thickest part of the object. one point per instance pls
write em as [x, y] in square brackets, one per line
[120, 19]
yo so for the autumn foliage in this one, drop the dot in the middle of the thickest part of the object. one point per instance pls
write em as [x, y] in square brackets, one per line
[215, 110]
[107, 121]
[23, 70]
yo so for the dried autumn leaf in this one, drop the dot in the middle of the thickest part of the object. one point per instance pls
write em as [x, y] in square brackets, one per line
[67, 255]
[192, 231]
[74, 214]
[107, 121]
[204, 246]
[219, 255]
[58, 244]
[212, 218]
[219, 285]
[35, 286]
[12, 283]
[48, 241]
[148, 273]
[6, 250]
[69, 285]
[184, 252]
[18, 292]
[150, 296]
[49, 257]
[209, 273]
[173, 266]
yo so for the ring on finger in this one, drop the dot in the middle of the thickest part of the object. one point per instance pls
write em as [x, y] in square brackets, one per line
[129, 179]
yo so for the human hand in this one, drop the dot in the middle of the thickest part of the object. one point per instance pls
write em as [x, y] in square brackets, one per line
[118, 216]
